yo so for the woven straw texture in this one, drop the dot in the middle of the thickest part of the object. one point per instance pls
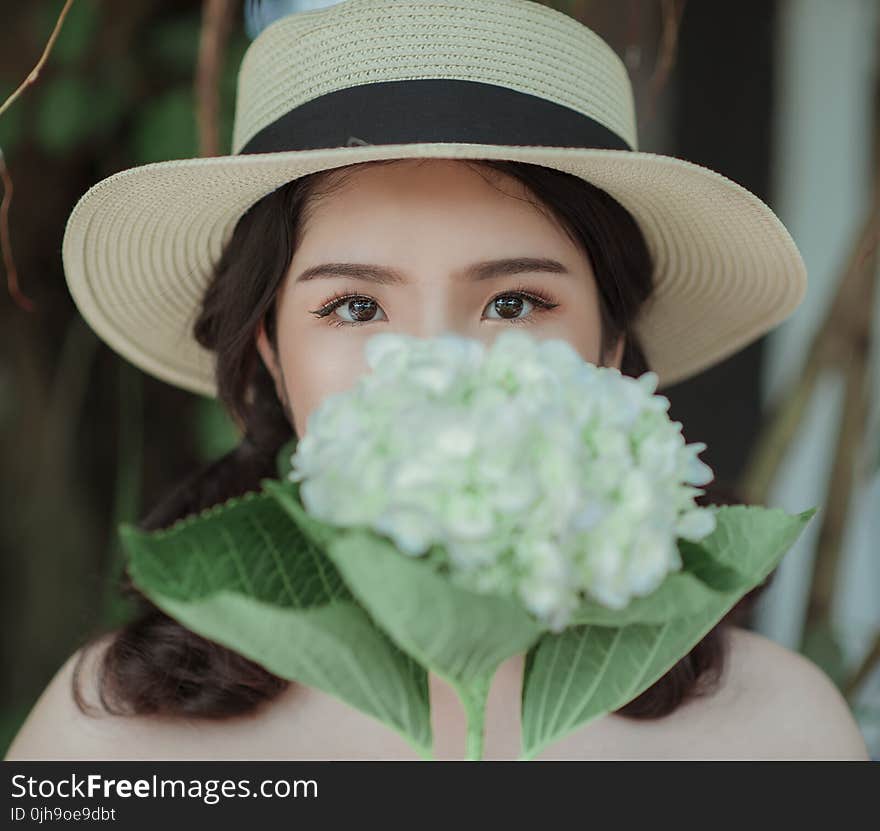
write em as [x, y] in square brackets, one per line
[140, 245]
[517, 44]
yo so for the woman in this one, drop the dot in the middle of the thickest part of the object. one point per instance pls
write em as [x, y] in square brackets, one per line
[419, 240]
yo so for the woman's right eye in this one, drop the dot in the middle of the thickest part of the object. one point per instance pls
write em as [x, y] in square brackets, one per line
[361, 309]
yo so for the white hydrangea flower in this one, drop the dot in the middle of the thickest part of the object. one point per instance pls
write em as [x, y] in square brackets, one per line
[537, 473]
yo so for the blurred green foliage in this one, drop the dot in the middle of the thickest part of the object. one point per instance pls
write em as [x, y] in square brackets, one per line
[165, 128]
[11, 122]
[87, 96]
[174, 44]
[823, 645]
[116, 91]
[76, 35]
[60, 124]
[215, 432]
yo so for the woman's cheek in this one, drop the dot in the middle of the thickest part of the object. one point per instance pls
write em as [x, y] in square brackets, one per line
[318, 366]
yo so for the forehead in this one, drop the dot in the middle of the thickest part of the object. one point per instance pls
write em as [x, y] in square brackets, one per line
[452, 201]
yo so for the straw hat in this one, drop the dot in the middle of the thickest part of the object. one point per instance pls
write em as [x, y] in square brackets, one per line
[379, 79]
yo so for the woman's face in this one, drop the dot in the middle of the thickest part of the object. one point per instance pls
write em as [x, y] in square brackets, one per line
[422, 247]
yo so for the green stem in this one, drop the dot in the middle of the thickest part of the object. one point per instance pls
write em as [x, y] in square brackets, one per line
[473, 697]
[426, 753]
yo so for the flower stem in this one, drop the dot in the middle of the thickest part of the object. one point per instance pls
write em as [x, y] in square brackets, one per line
[473, 696]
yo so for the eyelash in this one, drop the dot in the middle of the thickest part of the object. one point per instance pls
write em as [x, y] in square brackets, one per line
[542, 301]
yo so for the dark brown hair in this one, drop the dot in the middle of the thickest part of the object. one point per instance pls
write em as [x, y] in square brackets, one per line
[154, 665]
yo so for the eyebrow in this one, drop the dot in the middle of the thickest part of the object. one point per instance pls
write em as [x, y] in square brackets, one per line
[477, 271]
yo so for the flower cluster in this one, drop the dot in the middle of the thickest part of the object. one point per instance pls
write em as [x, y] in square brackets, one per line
[535, 472]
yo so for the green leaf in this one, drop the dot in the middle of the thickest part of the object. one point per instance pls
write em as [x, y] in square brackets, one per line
[697, 561]
[246, 544]
[242, 574]
[287, 495]
[681, 594]
[573, 677]
[334, 647]
[460, 635]
[587, 671]
[751, 539]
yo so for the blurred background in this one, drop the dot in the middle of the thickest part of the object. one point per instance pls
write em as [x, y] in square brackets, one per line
[782, 96]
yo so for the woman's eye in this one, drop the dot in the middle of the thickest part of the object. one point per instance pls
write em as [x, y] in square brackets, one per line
[352, 310]
[510, 307]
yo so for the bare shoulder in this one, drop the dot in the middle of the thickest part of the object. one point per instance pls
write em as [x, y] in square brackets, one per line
[769, 703]
[55, 725]
[58, 729]
[775, 703]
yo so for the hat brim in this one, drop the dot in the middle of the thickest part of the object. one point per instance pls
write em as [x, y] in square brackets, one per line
[139, 248]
